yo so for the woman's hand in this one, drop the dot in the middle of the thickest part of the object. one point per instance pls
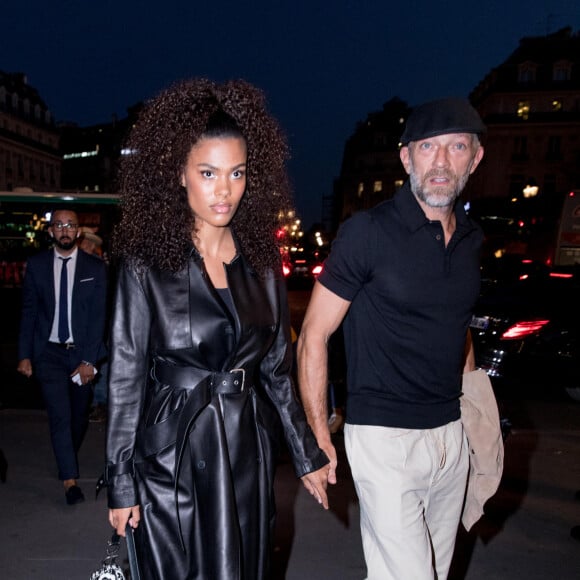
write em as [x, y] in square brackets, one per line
[316, 483]
[119, 517]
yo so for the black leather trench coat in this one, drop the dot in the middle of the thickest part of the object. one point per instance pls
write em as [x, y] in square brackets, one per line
[196, 398]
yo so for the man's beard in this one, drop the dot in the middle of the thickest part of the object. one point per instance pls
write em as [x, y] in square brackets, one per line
[438, 196]
[62, 245]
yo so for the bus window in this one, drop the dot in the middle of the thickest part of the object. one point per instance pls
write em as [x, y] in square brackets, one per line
[24, 218]
[568, 242]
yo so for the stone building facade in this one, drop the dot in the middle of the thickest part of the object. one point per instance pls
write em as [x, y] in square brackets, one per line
[29, 139]
[531, 105]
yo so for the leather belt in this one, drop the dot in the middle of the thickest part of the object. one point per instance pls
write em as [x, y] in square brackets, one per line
[177, 428]
[65, 345]
[223, 383]
[203, 384]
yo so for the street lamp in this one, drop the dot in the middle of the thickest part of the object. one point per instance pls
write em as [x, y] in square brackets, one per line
[530, 191]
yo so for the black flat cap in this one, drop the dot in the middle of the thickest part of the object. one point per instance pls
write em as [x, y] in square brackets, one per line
[440, 117]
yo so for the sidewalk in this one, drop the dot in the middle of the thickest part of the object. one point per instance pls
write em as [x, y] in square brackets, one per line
[524, 534]
[43, 538]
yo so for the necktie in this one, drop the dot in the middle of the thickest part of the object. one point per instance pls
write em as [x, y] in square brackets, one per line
[63, 332]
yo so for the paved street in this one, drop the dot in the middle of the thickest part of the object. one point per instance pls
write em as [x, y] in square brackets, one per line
[525, 533]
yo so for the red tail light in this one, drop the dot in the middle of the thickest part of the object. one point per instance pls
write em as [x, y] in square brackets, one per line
[286, 269]
[523, 329]
[316, 270]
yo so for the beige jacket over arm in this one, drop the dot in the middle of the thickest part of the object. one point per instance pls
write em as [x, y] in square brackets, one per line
[480, 418]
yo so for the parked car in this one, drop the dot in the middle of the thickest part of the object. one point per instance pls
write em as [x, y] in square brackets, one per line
[304, 268]
[526, 332]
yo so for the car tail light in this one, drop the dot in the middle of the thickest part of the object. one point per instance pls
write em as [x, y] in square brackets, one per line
[286, 269]
[316, 270]
[523, 329]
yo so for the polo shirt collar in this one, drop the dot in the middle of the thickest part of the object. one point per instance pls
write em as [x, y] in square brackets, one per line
[413, 215]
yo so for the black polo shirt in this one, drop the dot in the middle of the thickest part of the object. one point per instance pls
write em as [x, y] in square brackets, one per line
[411, 300]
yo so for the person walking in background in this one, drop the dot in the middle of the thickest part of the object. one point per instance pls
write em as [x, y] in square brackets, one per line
[404, 276]
[61, 338]
[201, 355]
[90, 242]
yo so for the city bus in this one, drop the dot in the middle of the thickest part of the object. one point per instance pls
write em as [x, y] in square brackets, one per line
[567, 251]
[545, 231]
[24, 218]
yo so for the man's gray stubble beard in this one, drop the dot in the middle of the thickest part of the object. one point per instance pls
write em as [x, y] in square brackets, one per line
[433, 200]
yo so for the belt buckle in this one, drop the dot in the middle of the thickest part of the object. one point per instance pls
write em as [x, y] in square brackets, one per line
[69, 345]
[243, 371]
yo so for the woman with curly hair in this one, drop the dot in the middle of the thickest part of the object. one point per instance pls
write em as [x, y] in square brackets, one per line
[200, 343]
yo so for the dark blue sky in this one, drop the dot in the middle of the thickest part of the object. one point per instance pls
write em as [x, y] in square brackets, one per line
[324, 65]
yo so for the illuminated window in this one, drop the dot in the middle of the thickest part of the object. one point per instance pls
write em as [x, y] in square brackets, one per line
[80, 154]
[361, 188]
[398, 183]
[378, 186]
[524, 110]
[556, 105]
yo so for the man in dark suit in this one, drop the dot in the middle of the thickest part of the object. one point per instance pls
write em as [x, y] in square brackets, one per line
[61, 338]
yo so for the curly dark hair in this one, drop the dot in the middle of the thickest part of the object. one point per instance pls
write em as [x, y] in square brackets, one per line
[157, 223]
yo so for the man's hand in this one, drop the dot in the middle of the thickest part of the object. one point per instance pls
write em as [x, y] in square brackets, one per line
[330, 451]
[25, 367]
[86, 371]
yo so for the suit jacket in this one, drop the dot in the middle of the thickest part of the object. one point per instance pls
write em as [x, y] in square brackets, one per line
[87, 312]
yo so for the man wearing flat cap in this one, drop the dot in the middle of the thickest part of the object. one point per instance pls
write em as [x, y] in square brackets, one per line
[404, 276]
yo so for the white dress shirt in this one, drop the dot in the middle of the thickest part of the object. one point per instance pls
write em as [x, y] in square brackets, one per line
[71, 266]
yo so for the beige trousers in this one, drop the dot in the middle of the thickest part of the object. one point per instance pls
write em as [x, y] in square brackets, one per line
[411, 485]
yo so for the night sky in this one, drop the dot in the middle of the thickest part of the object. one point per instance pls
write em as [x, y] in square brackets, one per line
[323, 65]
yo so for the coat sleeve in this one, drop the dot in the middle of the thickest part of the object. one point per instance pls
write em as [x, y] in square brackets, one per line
[276, 378]
[128, 372]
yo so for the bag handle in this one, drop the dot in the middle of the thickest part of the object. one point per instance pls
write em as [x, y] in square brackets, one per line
[132, 553]
[113, 546]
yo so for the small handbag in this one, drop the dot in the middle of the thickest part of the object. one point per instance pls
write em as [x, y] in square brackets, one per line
[109, 569]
